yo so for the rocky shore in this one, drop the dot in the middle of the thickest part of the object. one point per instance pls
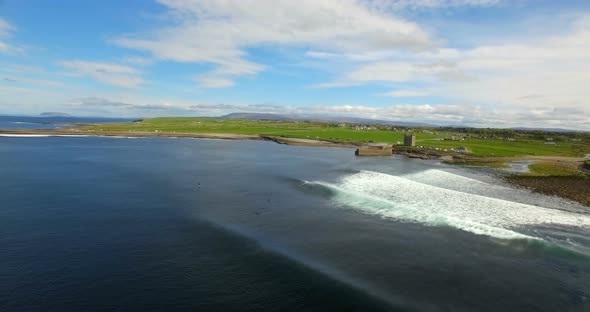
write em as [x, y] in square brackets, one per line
[576, 188]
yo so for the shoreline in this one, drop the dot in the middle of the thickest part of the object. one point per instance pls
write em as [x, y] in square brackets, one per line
[127, 134]
[576, 189]
[447, 157]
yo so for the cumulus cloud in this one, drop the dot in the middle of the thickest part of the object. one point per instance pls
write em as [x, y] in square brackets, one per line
[111, 74]
[544, 75]
[551, 72]
[219, 32]
[535, 80]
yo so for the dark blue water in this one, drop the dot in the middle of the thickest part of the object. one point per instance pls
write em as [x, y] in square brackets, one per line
[106, 224]
[23, 122]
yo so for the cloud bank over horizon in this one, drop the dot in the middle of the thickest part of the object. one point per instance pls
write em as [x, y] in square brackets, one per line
[460, 62]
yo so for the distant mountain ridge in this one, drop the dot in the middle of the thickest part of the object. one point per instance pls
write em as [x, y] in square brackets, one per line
[55, 114]
[330, 119]
[546, 129]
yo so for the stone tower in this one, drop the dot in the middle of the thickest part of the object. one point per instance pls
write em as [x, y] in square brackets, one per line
[410, 139]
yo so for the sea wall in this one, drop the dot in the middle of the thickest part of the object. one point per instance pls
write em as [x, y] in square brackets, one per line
[379, 150]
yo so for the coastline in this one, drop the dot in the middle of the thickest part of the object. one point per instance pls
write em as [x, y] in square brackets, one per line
[447, 157]
[571, 187]
[136, 134]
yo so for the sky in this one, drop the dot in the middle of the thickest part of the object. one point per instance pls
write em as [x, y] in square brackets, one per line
[482, 63]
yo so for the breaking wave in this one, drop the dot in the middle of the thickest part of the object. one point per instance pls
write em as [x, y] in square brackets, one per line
[24, 135]
[403, 198]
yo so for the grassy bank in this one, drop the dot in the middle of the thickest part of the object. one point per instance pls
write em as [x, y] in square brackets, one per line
[303, 130]
[556, 168]
[427, 139]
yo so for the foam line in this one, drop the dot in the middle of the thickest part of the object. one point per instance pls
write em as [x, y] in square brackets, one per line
[401, 198]
[385, 208]
[24, 135]
[453, 181]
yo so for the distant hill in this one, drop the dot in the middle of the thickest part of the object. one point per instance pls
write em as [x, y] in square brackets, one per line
[545, 129]
[330, 119]
[54, 114]
[258, 116]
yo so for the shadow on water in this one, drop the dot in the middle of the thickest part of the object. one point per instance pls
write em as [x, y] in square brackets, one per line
[340, 291]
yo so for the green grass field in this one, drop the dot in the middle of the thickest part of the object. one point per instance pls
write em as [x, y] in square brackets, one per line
[322, 131]
[495, 147]
[307, 130]
[555, 168]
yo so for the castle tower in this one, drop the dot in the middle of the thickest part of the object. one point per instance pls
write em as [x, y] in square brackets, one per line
[410, 139]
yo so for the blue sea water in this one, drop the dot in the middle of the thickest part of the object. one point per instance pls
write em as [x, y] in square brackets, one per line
[156, 224]
[24, 122]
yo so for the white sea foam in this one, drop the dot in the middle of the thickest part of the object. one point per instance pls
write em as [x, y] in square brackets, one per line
[400, 198]
[453, 181]
[24, 135]
[63, 136]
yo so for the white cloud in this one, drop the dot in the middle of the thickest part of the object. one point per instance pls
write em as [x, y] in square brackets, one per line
[556, 70]
[97, 101]
[32, 81]
[6, 29]
[124, 103]
[137, 60]
[427, 4]
[207, 81]
[550, 73]
[111, 74]
[396, 72]
[21, 69]
[219, 32]
[405, 93]
[403, 72]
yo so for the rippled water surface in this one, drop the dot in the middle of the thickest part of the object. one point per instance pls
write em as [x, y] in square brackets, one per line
[103, 224]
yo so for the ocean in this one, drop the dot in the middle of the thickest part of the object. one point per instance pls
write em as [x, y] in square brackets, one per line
[163, 224]
[56, 122]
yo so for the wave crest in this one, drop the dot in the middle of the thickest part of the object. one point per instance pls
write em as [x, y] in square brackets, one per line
[403, 198]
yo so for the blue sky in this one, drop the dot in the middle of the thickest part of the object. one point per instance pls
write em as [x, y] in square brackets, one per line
[462, 62]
